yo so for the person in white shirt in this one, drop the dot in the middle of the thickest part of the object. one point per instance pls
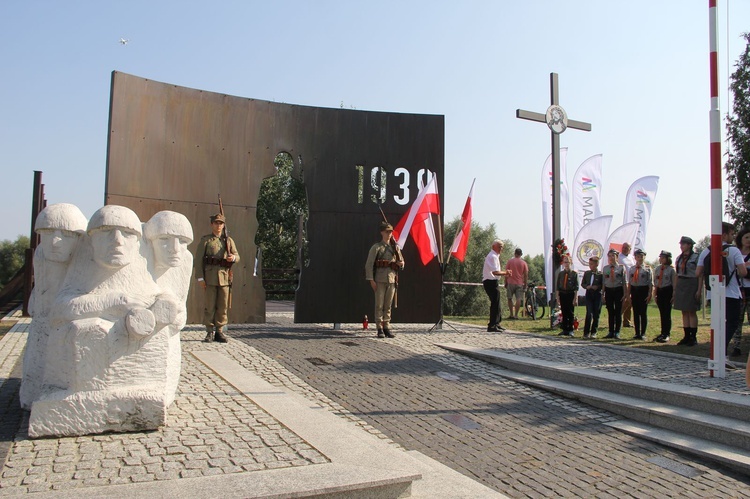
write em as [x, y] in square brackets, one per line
[737, 267]
[491, 272]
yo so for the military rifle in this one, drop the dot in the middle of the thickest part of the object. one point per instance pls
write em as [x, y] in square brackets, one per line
[396, 252]
[228, 245]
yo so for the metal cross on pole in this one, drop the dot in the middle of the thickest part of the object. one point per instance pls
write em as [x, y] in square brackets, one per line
[557, 120]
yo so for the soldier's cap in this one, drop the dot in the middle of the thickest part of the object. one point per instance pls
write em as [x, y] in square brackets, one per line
[639, 251]
[218, 218]
[686, 240]
[613, 252]
[385, 226]
[594, 259]
[666, 254]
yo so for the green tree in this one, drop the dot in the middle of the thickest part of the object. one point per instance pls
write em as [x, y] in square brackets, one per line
[465, 300]
[701, 244]
[12, 256]
[536, 269]
[282, 200]
[738, 136]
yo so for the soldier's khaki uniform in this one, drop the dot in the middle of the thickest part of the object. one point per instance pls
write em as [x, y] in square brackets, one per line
[210, 264]
[381, 267]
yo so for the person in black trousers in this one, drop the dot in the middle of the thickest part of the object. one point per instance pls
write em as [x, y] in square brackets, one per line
[567, 293]
[615, 283]
[640, 285]
[664, 281]
[592, 283]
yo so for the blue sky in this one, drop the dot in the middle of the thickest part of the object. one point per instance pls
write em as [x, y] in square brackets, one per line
[638, 71]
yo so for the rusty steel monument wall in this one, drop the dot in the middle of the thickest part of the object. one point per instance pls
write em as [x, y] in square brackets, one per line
[176, 148]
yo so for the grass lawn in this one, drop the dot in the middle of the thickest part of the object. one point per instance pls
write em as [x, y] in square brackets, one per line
[541, 326]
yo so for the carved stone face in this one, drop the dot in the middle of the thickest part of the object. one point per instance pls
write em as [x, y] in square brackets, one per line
[58, 245]
[169, 250]
[114, 247]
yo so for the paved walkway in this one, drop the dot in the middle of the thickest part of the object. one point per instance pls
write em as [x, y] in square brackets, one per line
[408, 392]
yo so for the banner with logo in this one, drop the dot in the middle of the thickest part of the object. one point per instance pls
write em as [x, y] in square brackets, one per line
[587, 191]
[591, 241]
[639, 202]
[547, 213]
[625, 233]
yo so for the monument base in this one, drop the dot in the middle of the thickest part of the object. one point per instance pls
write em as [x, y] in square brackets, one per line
[66, 413]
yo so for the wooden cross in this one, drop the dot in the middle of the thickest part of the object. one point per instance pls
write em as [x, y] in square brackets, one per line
[558, 122]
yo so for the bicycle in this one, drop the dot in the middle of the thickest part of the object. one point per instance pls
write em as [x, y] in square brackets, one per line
[533, 306]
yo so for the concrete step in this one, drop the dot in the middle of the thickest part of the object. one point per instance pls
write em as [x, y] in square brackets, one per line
[648, 405]
[728, 405]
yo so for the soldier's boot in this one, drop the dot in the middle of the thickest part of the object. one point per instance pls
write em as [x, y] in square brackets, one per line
[387, 331]
[209, 335]
[220, 335]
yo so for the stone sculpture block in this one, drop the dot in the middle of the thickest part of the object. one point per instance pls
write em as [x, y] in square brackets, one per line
[108, 305]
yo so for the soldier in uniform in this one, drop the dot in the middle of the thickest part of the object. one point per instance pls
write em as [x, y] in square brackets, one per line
[214, 257]
[383, 263]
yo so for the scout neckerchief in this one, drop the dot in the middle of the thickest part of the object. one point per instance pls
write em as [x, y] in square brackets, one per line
[635, 275]
[565, 281]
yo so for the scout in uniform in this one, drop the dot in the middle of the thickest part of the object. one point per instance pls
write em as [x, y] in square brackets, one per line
[214, 257]
[567, 293]
[615, 285]
[592, 283]
[383, 263]
[640, 285]
[687, 291]
[665, 277]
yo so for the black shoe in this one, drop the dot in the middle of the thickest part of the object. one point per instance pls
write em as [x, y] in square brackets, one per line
[641, 337]
[609, 336]
[562, 333]
[388, 333]
[662, 339]
[380, 333]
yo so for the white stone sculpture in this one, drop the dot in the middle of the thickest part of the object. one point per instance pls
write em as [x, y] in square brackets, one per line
[167, 235]
[60, 227]
[115, 327]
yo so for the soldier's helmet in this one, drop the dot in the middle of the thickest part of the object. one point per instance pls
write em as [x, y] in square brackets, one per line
[61, 216]
[168, 223]
[112, 216]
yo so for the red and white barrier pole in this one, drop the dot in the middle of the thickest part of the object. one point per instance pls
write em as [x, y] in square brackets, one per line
[717, 361]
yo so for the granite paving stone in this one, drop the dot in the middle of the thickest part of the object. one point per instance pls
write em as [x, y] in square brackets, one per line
[406, 391]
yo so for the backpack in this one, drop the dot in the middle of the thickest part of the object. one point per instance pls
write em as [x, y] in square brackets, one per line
[724, 267]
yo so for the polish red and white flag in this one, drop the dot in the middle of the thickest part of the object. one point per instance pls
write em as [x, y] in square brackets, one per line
[461, 242]
[417, 221]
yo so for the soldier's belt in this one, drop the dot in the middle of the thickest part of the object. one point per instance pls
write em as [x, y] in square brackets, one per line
[387, 263]
[222, 262]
